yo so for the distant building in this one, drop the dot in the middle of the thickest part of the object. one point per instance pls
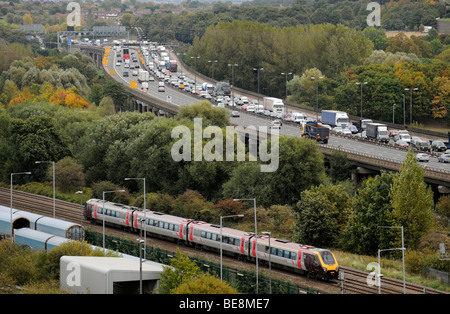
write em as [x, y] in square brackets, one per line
[108, 275]
[443, 26]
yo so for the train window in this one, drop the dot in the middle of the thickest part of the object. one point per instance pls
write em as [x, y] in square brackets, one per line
[225, 240]
[161, 224]
[166, 225]
[294, 256]
[100, 210]
[274, 251]
[280, 253]
[177, 228]
[203, 235]
[327, 257]
[287, 254]
[214, 237]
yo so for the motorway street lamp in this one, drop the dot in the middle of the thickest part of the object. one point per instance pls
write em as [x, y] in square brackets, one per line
[11, 201]
[270, 263]
[403, 253]
[195, 72]
[410, 103]
[361, 83]
[221, 239]
[317, 95]
[212, 67]
[103, 212]
[54, 191]
[286, 74]
[256, 234]
[393, 114]
[145, 216]
[258, 69]
[232, 79]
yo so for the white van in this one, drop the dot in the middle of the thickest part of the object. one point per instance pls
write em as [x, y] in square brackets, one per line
[298, 117]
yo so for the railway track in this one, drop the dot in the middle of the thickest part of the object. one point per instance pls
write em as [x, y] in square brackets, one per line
[355, 281]
[361, 282]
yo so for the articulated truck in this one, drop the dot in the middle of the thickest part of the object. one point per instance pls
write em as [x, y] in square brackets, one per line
[335, 118]
[275, 105]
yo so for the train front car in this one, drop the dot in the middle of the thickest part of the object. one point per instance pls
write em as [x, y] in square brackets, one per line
[329, 265]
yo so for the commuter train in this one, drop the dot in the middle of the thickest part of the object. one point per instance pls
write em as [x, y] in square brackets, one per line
[304, 259]
[24, 219]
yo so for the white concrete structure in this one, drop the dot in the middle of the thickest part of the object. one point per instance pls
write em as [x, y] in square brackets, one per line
[107, 275]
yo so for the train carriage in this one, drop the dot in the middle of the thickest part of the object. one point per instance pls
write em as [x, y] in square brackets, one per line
[293, 256]
[115, 214]
[38, 239]
[162, 225]
[50, 225]
[208, 235]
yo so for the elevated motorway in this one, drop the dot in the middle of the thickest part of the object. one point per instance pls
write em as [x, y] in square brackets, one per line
[366, 157]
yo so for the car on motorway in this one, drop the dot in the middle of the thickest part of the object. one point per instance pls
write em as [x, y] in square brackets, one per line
[161, 89]
[353, 128]
[235, 114]
[117, 64]
[151, 78]
[125, 74]
[275, 124]
[251, 108]
[134, 73]
[346, 131]
[444, 158]
[438, 146]
[337, 129]
[422, 157]
[401, 143]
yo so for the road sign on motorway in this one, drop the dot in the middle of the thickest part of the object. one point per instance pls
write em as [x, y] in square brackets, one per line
[133, 84]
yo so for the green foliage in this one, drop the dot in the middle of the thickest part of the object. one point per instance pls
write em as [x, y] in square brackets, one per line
[371, 207]
[412, 203]
[204, 284]
[181, 270]
[321, 215]
[69, 175]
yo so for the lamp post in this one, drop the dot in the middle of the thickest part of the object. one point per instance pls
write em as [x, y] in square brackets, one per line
[256, 234]
[258, 69]
[393, 114]
[103, 212]
[212, 67]
[145, 216]
[195, 72]
[232, 65]
[410, 103]
[317, 95]
[11, 201]
[286, 74]
[140, 265]
[81, 218]
[403, 253]
[404, 111]
[221, 240]
[53, 163]
[270, 263]
[361, 83]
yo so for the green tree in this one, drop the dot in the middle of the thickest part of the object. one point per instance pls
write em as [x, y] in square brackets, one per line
[412, 203]
[204, 284]
[371, 207]
[321, 215]
[182, 269]
[68, 175]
